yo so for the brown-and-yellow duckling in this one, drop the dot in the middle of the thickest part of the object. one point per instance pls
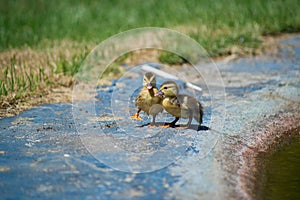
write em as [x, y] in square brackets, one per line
[146, 100]
[179, 105]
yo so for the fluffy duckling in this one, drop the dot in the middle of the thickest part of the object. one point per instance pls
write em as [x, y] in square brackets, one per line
[179, 105]
[146, 99]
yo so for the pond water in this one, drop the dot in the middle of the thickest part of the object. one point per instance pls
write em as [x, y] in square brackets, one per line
[283, 173]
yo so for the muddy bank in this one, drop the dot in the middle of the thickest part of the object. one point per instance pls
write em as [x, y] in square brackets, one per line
[277, 131]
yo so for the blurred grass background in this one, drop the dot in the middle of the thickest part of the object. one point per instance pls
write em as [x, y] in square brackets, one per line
[43, 42]
[215, 24]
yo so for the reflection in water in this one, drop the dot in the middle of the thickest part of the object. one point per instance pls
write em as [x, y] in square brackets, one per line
[283, 173]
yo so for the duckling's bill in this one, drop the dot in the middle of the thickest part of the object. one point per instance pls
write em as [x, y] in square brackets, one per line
[159, 93]
[149, 86]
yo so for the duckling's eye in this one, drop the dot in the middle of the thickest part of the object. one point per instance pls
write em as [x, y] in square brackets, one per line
[165, 88]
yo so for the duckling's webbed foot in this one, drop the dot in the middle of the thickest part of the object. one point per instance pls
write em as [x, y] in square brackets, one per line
[136, 116]
[151, 125]
[167, 125]
[171, 125]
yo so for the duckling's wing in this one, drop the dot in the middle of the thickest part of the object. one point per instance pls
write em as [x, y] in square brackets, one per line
[175, 102]
[183, 101]
[141, 97]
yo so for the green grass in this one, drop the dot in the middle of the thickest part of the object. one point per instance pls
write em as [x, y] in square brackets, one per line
[69, 67]
[217, 25]
[21, 80]
[171, 58]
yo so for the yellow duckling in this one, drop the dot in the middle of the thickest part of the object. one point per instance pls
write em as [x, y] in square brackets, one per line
[179, 105]
[146, 99]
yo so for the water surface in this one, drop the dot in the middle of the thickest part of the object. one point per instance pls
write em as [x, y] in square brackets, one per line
[283, 173]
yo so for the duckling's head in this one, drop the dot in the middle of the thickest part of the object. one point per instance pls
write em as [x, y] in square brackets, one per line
[168, 89]
[149, 80]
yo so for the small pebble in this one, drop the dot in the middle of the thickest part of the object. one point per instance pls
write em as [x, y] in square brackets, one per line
[4, 169]
[66, 155]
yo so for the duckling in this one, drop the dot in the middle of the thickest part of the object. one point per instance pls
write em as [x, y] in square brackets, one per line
[179, 105]
[146, 99]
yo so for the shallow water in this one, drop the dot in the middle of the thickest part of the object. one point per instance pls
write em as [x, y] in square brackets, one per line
[283, 173]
